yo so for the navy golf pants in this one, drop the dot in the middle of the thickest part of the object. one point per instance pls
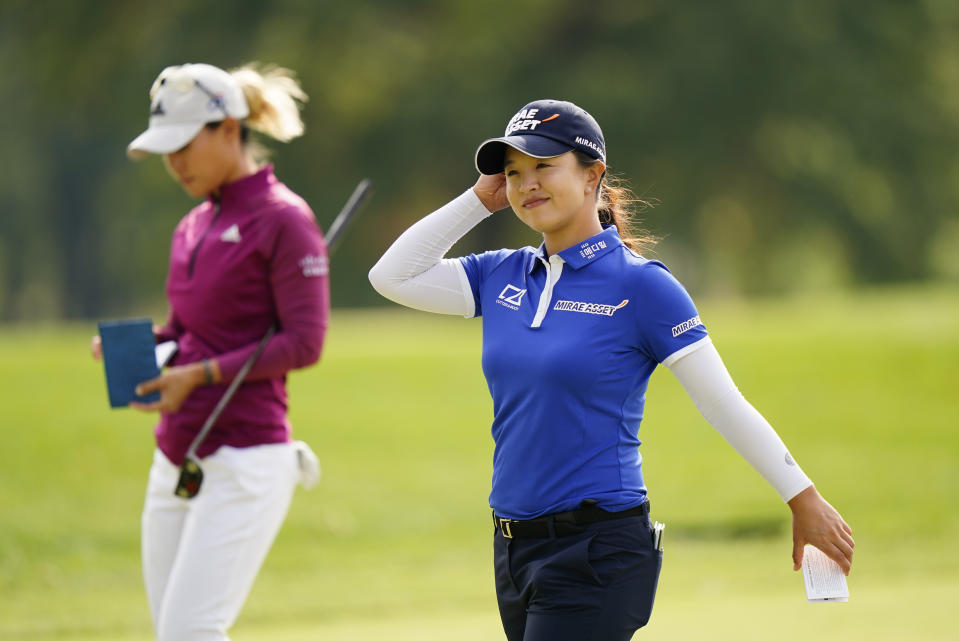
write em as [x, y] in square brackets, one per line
[596, 585]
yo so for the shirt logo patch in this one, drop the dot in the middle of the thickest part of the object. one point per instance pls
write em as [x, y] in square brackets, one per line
[511, 297]
[231, 235]
[588, 308]
[688, 325]
[588, 251]
[315, 265]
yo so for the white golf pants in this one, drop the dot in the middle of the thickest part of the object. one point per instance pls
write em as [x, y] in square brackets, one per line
[201, 555]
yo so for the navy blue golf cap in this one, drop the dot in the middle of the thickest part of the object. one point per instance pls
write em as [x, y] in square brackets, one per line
[543, 129]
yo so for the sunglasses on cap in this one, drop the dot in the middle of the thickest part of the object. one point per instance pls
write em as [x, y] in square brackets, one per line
[180, 81]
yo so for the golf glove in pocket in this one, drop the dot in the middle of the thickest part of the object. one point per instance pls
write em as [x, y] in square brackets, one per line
[308, 463]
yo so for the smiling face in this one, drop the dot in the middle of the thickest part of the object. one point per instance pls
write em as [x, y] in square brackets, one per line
[213, 158]
[555, 196]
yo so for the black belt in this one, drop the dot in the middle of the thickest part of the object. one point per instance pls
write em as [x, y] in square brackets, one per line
[561, 523]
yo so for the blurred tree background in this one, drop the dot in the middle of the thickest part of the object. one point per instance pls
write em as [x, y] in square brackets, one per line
[792, 146]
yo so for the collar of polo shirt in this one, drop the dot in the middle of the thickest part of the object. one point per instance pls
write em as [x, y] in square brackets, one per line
[583, 253]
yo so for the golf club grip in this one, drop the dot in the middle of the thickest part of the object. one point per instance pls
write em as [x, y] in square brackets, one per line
[335, 232]
[228, 394]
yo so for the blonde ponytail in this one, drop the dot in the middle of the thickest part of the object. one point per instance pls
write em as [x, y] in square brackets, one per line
[274, 97]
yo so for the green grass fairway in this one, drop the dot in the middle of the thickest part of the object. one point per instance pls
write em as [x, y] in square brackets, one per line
[395, 541]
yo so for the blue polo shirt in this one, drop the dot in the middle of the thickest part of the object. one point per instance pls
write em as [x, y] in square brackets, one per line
[569, 344]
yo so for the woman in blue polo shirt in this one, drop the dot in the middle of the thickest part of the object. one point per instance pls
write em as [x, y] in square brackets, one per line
[572, 331]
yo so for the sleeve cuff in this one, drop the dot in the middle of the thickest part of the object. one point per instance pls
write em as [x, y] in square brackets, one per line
[689, 349]
[470, 204]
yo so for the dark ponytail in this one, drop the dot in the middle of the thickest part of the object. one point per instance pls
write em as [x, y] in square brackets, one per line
[616, 207]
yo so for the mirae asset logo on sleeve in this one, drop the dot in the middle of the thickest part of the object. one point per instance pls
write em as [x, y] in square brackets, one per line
[688, 325]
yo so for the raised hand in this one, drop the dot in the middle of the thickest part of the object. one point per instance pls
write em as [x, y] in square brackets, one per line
[491, 191]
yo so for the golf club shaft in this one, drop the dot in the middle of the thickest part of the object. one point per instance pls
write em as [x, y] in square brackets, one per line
[335, 231]
[228, 394]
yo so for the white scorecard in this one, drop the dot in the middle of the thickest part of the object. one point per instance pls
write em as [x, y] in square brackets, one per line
[823, 577]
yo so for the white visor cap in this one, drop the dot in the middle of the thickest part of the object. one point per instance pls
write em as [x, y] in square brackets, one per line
[183, 99]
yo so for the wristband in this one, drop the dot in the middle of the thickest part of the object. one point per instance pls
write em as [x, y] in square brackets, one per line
[207, 372]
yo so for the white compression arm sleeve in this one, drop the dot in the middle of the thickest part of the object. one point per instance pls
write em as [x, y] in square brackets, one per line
[705, 378]
[413, 271]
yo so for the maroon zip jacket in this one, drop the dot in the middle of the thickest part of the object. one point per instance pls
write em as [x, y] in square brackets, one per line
[237, 265]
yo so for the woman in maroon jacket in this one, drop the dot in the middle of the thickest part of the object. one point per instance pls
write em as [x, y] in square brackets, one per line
[248, 257]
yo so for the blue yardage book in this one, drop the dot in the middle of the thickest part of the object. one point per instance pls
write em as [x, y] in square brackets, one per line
[129, 358]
